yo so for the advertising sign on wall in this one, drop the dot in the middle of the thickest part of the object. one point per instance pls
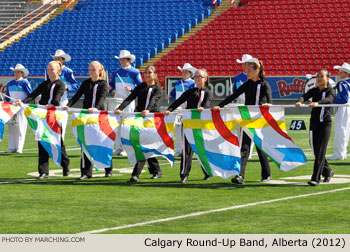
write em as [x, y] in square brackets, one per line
[283, 87]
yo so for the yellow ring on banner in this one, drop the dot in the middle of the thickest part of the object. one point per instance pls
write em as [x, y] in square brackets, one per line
[92, 120]
[206, 124]
[170, 127]
[42, 115]
[260, 123]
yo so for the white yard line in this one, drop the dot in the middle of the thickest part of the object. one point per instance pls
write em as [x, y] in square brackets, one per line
[16, 181]
[212, 211]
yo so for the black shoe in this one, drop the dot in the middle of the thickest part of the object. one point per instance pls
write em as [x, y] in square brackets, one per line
[238, 180]
[133, 179]
[207, 177]
[328, 178]
[266, 179]
[43, 176]
[65, 174]
[157, 176]
[313, 183]
[84, 177]
[184, 179]
[108, 175]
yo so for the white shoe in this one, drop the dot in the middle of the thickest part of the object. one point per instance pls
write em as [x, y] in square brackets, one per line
[117, 152]
[334, 157]
[123, 153]
[18, 151]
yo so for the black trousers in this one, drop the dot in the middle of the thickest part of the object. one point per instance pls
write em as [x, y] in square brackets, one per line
[245, 150]
[86, 167]
[320, 133]
[153, 168]
[43, 167]
[186, 160]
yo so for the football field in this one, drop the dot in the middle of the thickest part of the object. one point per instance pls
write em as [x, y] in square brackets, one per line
[64, 205]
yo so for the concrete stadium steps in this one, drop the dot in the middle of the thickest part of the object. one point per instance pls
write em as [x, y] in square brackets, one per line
[36, 24]
[11, 11]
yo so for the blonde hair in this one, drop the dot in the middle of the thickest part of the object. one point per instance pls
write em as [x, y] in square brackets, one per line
[103, 75]
[59, 65]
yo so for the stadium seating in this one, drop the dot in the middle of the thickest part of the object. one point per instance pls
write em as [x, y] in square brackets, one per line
[13, 10]
[99, 29]
[294, 39]
[291, 39]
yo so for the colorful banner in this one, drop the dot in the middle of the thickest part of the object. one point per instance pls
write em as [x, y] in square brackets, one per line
[150, 136]
[47, 127]
[213, 138]
[96, 133]
[267, 128]
[7, 111]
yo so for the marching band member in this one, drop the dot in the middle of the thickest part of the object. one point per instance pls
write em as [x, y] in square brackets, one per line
[123, 81]
[320, 125]
[67, 76]
[342, 117]
[95, 91]
[18, 88]
[51, 92]
[257, 92]
[239, 79]
[179, 88]
[148, 94]
[199, 97]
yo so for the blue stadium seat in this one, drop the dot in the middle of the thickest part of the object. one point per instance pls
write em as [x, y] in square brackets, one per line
[98, 29]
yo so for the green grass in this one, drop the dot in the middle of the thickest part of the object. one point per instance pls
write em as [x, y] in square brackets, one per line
[65, 205]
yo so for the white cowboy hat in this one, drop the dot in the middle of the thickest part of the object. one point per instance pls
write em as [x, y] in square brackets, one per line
[125, 54]
[309, 76]
[345, 68]
[62, 54]
[21, 68]
[188, 67]
[247, 58]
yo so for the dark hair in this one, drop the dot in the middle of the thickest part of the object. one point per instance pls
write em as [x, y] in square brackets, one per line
[259, 65]
[324, 70]
[206, 75]
[154, 71]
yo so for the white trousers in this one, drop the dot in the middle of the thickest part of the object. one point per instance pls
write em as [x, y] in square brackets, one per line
[179, 138]
[64, 126]
[341, 131]
[17, 129]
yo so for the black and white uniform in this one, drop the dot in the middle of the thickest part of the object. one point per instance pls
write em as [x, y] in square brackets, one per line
[95, 94]
[51, 93]
[320, 129]
[256, 93]
[195, 98]
[147, 98]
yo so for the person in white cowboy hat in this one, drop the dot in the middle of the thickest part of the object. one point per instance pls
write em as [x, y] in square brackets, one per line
[123, 81]
[342, 117]
[239, 79]
[18, 88]
[67, 76]
[180, 87]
